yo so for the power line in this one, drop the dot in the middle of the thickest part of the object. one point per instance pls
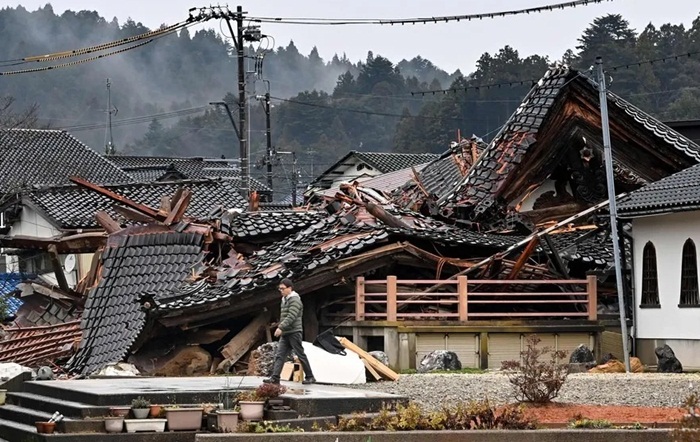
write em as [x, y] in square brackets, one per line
[420, 20]
[137, 120]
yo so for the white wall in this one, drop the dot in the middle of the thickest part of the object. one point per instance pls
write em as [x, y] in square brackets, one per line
[351, 173]
[31, 223]
[529, 201]
[668, 233]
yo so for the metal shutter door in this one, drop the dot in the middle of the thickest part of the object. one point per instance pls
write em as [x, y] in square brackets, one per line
[427, 343]
[503, 347]
[466, 345]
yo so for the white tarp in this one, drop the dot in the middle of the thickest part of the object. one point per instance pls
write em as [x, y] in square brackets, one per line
[331, 368]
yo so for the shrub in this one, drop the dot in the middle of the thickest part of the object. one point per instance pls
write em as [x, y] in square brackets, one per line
[270, 391]
[266, 427]
[534, 380]
[462, 416]
[590, 423]
[689, 426]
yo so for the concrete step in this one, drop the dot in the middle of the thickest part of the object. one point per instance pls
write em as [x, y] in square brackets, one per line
[15, 431]
[49, 405]
[23, 415]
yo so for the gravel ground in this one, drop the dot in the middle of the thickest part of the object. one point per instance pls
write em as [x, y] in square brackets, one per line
[643, 389]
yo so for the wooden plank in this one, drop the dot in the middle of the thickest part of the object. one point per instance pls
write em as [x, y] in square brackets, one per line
[382, 369]
[529, 301]
[360, 299]
[132, 214]
[512, 314]
[240, 344]
[165, 207]
[528, 281]
[413, 281]
[462, 290]
[115, 197]
[533, 294]
[391, 298]
[592, 298]
[371, 370]
[107, 222]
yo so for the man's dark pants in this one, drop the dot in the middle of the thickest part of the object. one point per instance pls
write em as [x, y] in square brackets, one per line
[288, 342]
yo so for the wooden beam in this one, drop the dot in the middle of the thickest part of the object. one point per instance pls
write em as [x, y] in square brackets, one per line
[382, 369]
[463, 306]
[592, 298]
[360, 298]
[107, 222]
[180, 207]
[245, 339]
[371, 370]
[522, 259]
[115, 197]
[391, 298]
[58, 269]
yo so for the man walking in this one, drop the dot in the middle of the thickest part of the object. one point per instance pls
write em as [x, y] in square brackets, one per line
[289, 331]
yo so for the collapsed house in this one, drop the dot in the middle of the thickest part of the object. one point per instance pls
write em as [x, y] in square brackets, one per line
[456, 258]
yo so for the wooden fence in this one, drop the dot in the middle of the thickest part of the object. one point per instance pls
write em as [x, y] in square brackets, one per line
[395, 306]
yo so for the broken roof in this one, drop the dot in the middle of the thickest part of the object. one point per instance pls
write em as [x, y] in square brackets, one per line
[31, 158]
[676, 193]
[386, 182]
[159, 168]
[35, 346]
[133, 265]
[561, 107]
[383, 162]
[71, 207]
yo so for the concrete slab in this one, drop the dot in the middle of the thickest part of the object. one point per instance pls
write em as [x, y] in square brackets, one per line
[309, 400]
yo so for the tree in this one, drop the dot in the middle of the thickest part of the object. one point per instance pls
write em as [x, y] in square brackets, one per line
[22, 119]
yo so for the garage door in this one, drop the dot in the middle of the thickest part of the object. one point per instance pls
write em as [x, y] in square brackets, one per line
[466, 345]
[427, 343]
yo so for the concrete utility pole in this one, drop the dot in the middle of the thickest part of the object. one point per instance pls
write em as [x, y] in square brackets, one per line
[245, 166]
[607, 149]
[109, 141]
[268, 134]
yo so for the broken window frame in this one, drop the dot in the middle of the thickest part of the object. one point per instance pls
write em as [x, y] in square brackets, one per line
[650, 278]
[689, 296]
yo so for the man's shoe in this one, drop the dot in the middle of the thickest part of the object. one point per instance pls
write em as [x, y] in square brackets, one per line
[271, 381]
[308, 381]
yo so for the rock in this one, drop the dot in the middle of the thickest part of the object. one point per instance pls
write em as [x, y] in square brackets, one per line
[668, 363]
[185, 361]
[582, 355]
[615, 366]
[439, 360]
[44, 374]
[380, 356]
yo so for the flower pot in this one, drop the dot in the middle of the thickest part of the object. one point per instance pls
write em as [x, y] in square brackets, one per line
[118, 411]
[45, 427]
[114, 424]
[3, 396]
[252, 410]
[134, 425]
[141, 413]
[155, 410]
[227, 421]
[188, 419]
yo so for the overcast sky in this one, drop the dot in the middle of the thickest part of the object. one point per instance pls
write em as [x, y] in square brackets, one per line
[448, 45]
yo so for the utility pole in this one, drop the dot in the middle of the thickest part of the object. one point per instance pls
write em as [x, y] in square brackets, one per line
[245, 167]
[295, 174]
[109, 141]
[268, 134]
[607, 150]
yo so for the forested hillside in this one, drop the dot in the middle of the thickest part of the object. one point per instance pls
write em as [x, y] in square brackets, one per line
[322, 108]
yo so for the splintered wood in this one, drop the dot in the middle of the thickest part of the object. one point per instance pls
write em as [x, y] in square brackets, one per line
[379, 369]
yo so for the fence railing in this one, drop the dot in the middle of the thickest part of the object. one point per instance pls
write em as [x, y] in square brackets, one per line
[476, 303]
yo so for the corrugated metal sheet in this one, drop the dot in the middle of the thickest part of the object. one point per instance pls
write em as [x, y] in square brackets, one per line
[569, 341]
[611, 342]
[466, 345]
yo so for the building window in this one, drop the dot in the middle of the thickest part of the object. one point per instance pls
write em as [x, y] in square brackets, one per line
[689, 276]
[650, 278]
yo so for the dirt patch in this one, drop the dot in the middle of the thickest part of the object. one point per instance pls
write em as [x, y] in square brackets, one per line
[558, 412]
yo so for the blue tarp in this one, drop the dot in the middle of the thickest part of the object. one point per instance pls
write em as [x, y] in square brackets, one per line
[8, 284]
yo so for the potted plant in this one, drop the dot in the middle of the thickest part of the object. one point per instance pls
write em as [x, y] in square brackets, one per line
[114, 424]
[141, 407]
[155, 410]
[227, 420]
[135, 425]
[119, 410]
[252, 402]
[185, 418]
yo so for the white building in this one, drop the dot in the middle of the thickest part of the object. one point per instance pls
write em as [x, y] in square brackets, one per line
[665, 219]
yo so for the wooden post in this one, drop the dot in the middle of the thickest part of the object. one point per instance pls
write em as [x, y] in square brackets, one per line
[360, 299]
[462, 294]
[391, 290]
[592, 298]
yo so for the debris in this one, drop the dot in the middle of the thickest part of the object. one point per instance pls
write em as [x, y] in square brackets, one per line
[383, 370]
[262, 359]
[616, 366]
[119, 369]
[244, 341]
[186, 361]
[582, 355]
